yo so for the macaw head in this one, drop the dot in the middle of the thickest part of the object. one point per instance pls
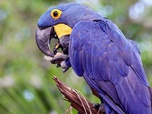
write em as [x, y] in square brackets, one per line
[58, 22]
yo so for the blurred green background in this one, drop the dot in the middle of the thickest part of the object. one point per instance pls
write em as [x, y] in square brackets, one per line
[26, 85]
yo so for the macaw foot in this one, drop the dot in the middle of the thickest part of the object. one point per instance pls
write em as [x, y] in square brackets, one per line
[99, 107]
[60, 60]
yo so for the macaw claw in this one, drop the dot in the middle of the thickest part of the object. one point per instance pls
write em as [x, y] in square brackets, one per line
[58, 59]
[100, 107]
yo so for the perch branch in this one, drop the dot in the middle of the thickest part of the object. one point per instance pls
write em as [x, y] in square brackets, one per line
[77, 101]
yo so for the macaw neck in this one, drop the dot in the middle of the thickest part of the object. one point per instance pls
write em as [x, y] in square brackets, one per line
[92, 16]
[81, 15]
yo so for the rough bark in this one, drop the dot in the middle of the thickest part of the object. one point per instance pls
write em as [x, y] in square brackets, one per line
[77, 101]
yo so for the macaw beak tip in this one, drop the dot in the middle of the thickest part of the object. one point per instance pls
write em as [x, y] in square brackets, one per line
[43, 39]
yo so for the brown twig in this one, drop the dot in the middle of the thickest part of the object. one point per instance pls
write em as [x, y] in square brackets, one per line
[77, 101]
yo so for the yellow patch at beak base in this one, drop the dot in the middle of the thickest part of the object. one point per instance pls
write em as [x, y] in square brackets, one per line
[62, 30]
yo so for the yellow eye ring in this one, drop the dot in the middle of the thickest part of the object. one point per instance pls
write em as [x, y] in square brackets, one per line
[56, 13]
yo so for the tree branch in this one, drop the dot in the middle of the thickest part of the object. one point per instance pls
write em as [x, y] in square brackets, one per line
[77, 101]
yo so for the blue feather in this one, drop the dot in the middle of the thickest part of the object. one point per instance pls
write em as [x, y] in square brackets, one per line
[111, 65]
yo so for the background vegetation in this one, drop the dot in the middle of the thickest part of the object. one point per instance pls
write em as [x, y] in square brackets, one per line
[26, 85]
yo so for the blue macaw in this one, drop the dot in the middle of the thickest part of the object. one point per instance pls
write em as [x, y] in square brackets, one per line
[98, 51]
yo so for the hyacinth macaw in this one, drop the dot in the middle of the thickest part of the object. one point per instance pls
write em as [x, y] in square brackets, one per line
[98, 51]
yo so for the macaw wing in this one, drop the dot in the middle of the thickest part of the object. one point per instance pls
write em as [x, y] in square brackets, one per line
[111, 64]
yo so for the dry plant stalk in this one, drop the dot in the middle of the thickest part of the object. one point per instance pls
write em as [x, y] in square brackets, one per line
[77, 101]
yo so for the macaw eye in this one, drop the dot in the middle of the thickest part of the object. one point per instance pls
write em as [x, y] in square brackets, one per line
[56, 13]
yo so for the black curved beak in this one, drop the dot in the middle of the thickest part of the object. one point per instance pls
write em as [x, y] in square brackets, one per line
[43, 39]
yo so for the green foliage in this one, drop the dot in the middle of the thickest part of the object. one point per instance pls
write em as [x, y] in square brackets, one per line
[26, 84]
